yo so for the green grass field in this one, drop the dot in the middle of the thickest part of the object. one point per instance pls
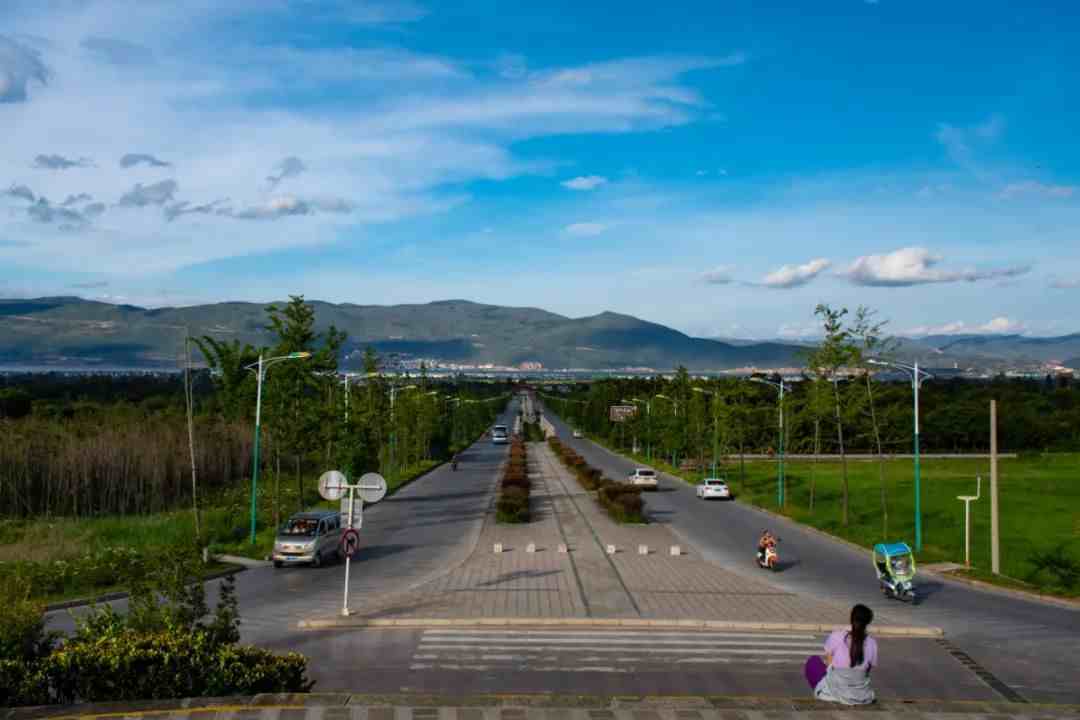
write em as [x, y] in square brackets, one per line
[1039, 498]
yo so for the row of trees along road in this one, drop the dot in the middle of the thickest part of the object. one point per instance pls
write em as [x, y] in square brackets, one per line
[836, 407]
[119, 455]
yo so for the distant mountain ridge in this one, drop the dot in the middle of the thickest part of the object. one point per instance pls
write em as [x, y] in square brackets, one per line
[65, 331]
[70, 331]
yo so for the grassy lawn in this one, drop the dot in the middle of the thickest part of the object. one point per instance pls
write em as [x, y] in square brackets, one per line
[1039, 498]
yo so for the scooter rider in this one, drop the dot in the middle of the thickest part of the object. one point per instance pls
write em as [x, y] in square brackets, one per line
[764, 542]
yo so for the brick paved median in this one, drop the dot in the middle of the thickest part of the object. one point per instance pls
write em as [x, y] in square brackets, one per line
[587, 582]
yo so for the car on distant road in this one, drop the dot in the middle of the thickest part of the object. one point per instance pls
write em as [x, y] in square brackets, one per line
[308, 537]
[713, 488]
[499, 435]
[643, 478]
[578, 434]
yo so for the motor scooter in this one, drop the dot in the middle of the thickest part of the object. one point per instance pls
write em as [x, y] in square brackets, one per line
[769, 559]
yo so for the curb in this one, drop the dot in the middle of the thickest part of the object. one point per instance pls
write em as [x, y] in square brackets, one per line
[991, 588]
[245, 562]
[120, 595]
[757, 705]
[348, 622]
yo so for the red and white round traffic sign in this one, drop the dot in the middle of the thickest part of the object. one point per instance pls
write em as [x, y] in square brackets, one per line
[350, 543]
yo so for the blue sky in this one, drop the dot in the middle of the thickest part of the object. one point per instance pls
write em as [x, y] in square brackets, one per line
[720, 167]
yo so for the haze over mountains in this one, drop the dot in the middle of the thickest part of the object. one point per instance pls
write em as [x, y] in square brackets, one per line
[72, 332]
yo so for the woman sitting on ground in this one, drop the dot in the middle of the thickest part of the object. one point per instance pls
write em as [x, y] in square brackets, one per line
[844, 675]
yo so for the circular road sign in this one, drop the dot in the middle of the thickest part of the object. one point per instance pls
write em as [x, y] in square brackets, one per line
[350, 543]
[372, 487]
[332, 484]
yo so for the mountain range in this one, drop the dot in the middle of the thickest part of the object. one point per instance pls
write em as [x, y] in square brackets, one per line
[74, 332]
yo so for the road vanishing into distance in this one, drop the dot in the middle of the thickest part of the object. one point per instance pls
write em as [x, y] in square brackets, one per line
[1017, 649]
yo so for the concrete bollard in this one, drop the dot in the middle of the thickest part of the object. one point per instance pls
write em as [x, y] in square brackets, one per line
[610, 549]
[642, 549]
[530, 548]
[676, 550]
[563, 549]
[498, 547]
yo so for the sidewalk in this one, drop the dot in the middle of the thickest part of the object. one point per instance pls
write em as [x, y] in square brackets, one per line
[587, 583]
[343, 706]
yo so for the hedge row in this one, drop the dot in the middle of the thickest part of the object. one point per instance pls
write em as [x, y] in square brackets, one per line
[132, 665]
[622, 501]
[513, 504]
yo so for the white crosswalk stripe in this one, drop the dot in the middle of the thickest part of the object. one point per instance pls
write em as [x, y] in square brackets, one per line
[604, 651]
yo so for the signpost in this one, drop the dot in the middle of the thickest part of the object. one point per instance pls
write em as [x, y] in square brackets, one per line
[622, 413]
[372, 489]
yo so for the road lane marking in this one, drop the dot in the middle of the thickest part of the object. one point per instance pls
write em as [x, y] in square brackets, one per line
[573, 642]
[626, 633]
[794, 650]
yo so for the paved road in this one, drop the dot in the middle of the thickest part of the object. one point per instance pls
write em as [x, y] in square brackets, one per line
[1032, 647]
[419, 531]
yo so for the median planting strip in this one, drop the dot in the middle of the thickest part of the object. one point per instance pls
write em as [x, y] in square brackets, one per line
[515, 487]
[623, 502]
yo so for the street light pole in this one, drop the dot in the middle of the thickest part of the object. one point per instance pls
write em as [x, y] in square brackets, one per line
[258, 436]
[780, 456]
[917, 376]
[262, 367]
[716, 423]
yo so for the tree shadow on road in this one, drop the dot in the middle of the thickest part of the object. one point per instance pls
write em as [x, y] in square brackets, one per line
[518, 575]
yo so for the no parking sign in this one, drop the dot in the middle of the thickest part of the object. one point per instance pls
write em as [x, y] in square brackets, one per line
[350, 543]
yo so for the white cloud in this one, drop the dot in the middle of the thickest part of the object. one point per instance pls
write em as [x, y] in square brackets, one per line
[997, 326]
[795, 331]
[406, 131]
[790, 276]
[585, 229]
[917, 266]
[1031, 187]
[584, 182]
[1061, 283]
[718, 276]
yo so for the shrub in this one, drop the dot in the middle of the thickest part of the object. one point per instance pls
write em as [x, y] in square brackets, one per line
[513, 503]
[21, 683]
[623, 502]
[132, 665]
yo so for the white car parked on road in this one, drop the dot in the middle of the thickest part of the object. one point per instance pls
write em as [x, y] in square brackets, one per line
[713, 488]
[643, 477]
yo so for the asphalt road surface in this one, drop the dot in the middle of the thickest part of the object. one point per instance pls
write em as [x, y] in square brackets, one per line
[1032, 648]
[431, 524]
[410, 536]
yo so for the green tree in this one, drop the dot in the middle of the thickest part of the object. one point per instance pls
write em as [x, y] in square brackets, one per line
[228, 362]
[833, 354]
[869, 333]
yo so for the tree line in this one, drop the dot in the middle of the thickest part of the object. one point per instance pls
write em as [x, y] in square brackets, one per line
[95, 446]
[839, 405]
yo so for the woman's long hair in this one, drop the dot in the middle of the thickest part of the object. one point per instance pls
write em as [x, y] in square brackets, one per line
[861, 616]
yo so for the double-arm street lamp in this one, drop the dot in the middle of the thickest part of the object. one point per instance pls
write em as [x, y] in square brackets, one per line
[675, 403]
[780, 404]
[261, 367]
[716, 424]
[917, 376]
[648, 420]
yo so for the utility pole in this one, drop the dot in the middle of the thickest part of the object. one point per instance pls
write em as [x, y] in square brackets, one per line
[995, 547]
